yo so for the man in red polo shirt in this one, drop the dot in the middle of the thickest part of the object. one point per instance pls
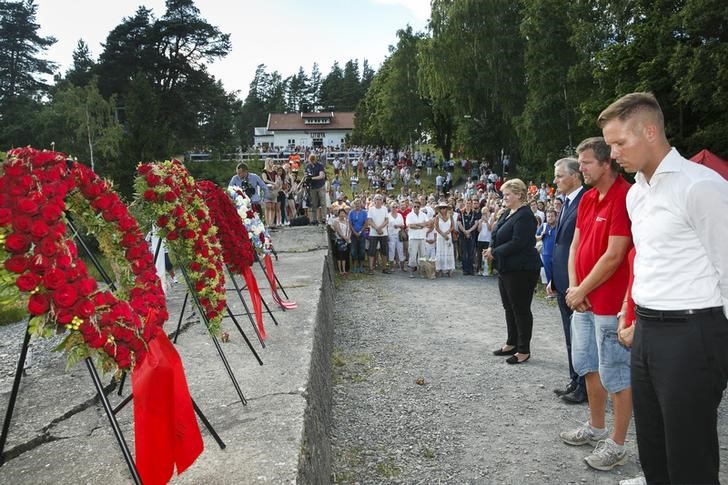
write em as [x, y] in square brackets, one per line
[598, 277]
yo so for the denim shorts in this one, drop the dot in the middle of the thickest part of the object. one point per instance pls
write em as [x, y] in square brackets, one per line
[595, 348]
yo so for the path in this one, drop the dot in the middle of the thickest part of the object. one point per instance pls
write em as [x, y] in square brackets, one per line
[475, 418]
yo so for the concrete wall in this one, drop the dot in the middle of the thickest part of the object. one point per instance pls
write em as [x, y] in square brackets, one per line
[315, 453]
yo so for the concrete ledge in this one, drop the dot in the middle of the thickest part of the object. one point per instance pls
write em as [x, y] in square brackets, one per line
[315, 455]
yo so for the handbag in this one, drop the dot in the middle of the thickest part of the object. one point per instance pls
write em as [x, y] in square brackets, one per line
[341, 244]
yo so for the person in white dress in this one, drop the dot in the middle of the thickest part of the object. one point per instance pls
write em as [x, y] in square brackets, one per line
[444, 250]
[396, 246]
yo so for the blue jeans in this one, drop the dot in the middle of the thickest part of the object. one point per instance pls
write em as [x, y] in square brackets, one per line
[595, 348]
[357, 247]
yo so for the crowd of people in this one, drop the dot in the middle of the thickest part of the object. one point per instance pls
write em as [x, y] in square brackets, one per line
[642, 328]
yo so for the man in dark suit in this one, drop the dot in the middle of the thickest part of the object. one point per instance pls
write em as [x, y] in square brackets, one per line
[568, 180]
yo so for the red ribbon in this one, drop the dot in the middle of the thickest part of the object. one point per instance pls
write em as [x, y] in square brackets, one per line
[255, 298]
[165, 429]
[287, 304]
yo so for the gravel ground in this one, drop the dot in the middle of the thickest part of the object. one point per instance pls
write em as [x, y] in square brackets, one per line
[419, 398]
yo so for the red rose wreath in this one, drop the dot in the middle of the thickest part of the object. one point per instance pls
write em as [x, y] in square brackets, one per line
[36, 188]
[121, 328]
[237, 247]
[168, 196]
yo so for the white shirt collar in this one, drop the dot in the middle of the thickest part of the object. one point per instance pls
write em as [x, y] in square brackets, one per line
[574, 193]
[671, 163]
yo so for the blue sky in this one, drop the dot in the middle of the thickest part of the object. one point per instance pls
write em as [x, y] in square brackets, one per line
[282, 34]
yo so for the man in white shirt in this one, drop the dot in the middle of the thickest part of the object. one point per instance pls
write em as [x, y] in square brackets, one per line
[417, 227]
[378, 220]
[679, 213]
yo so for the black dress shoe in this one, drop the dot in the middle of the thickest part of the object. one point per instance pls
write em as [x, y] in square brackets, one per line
[501, 352]
[577, 396]
[567, 390]
[514, 360]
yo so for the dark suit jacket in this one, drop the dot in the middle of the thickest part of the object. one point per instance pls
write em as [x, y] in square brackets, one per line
[564, 235]
[514, 242]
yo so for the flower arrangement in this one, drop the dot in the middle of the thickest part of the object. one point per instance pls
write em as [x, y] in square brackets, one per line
[237, 249]
[168, 196]
[259, 235]
[36, 187]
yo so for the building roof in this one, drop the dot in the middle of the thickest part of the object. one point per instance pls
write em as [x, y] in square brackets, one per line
[343, 120]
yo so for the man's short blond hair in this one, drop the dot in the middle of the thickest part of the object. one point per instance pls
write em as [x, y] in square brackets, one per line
[630, 104]
[516, 187]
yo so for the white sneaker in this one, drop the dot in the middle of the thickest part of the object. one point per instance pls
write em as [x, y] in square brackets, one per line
[582, 435]
[606, 455]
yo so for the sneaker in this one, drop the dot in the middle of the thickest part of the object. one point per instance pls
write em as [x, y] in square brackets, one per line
[582, 435]
[606, 455]
[634, 481]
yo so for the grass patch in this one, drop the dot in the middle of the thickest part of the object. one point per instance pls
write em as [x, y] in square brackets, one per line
[427, 453]
[13, 313]
[354, 368]
[388, 469]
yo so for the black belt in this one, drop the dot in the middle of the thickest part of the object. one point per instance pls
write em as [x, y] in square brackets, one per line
[649, 314]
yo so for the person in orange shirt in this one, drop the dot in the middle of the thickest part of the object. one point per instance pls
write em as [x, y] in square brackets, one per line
[532, 189]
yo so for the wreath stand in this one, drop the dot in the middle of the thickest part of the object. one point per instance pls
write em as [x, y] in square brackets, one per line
[272, 283]
[239, 290]
[110, 411]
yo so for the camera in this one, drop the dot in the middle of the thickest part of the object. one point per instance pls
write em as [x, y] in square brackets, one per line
[245, 186]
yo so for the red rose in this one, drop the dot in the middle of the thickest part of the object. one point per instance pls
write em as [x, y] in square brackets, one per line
[21, 185]
[27, 281]
[14, 169]
[38, 304]
[210, 274]
[128, 240]
[38, 229]
[144, 169]
[118, 210]
[200, 214]
[178, 211]
[180, 223]
[65, 296]
[195, 266]
[54, 278]
[152, 180]
[63, 260]
[103, 201]
[188, 234]
[52, 210]
[17, 243]
[150, 195]
[127, 222]
[249, 214]
[262, 237]
[87, 286]
[48, 246]
[170, 197]
[92, 190]
[85, 308]
[172, 235]
[21, 223]
[17, 264]
[27, 205]
[64, 317]
[5, 216]
[162, 221]
[72, 249]
[199, 286]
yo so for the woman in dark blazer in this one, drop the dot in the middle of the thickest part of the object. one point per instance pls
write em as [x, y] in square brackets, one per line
[513, 253]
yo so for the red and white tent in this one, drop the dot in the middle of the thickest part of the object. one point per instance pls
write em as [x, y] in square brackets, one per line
[711, 160]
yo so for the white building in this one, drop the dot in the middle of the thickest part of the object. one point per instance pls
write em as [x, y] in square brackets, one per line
[289, 130]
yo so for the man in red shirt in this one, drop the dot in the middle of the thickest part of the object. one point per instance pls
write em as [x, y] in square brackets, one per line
[598, 277]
